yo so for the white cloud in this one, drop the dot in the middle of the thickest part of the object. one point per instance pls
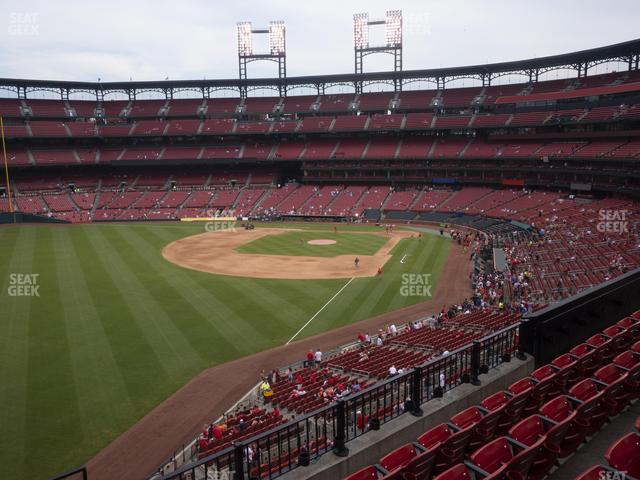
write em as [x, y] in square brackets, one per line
[148, 40]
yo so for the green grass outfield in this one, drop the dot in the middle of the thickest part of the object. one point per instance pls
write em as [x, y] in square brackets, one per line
[295, 243]
[116, 329]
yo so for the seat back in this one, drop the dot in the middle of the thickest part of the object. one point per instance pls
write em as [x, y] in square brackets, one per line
[632, 325]
[603, 346]
[528, 430]
[497, 401]
[467, 418]
[522, 386]
[516, 404]
[422, 465]
[457, 472]
[608, 374]
[627, 359]
[581, 350]
[457, 444]
[557, 409]
[556, 433]
[487, 425]
[624, 454]
[367, 473]
[584, 390]
[543, 372]
[620, 336]
[399, 457]
[564, 361]
[493, 456]
[521, 462]
[431, 439]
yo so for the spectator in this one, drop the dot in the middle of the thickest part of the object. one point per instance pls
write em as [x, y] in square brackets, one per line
[392, 371]
[309, 360]
[318, 357]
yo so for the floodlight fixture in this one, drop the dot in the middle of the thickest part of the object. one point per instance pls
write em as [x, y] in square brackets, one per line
[276, 37]
[245, 46]
[361, 30]
[393, 28]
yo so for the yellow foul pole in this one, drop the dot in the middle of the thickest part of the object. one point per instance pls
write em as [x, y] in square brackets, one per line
[6, 169]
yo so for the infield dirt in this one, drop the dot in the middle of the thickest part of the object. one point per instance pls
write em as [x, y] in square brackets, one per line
[214, 252]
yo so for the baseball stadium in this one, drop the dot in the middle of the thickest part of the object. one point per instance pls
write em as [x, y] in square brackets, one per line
[403, 274]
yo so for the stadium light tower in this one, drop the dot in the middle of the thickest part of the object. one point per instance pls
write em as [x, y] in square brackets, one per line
[277, 49]
[393, 38]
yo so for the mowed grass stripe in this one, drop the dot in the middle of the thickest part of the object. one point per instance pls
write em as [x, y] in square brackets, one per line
[429, 259]
[150, 342]
[186, 307]
[100, 383]
[52, 404]
[19, 244]
[367, 297]
[222, 308]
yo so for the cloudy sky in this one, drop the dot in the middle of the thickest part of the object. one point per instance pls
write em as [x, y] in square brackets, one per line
[182, 39]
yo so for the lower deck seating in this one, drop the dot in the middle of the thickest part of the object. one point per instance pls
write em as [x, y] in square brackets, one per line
[523, 431]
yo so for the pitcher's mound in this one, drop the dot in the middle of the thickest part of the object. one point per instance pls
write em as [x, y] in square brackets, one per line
[321, 242]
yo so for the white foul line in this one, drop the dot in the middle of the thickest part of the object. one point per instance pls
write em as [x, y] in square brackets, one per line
[316, 314]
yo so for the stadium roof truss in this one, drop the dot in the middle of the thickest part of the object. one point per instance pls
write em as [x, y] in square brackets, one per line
[580, 62]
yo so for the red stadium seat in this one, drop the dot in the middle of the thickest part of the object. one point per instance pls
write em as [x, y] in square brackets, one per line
[598, 407]
[503, 456]
[420, 467]
[367, 473]
[560, 409]
[535, 428]
[557, 377]
[620, 337]
[399, 457]
[632, 325]
[624, 454]
[481, 421]
[525, 387]
[627, 359]
[457, 472]
[587, 361]
[604, 347]
[568, 364]
[450, 445]
[617, 388]
[510, 407]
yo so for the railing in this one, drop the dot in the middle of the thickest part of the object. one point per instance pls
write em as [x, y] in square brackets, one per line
[304, 439]
[75, 474]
